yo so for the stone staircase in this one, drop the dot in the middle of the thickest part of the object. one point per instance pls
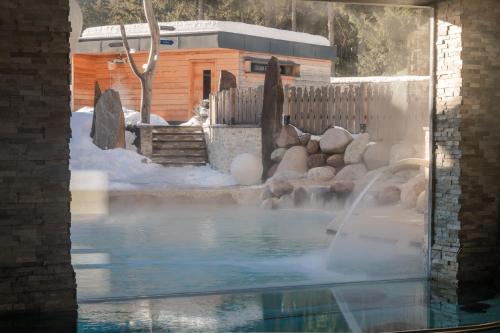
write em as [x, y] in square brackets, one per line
[179, 146]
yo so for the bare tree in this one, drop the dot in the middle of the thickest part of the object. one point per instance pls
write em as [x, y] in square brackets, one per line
[146, 77]
[294, 15]
[201, 13]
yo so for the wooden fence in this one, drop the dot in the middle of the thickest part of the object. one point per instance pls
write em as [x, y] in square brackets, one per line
[357, 107]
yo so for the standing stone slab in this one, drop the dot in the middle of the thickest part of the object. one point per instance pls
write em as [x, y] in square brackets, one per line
[227, 80]
[109, 121]
[97, 95]
[272, 110]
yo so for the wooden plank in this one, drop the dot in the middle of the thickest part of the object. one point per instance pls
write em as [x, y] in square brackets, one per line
[178, 145]
[178, 159]
[182, 137]
[180, 152]
[317, 111]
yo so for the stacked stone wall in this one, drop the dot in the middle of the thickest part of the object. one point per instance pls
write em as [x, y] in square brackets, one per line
[35, 265]
[467, 143]
[224, 143]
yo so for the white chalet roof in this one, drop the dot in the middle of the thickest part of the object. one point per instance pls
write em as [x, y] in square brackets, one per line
[205, 26]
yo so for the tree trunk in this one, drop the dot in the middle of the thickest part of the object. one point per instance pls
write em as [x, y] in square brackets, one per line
[331, 31]
[146, 98]
[146, 77]
[269, 13]
[201, 14]
[294, 15]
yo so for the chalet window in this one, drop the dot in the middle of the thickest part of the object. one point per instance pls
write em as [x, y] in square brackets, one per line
[260, 66]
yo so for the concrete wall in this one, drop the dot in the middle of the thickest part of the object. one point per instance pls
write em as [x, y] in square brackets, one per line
[224, 143]
[467, 143]
[35, 268]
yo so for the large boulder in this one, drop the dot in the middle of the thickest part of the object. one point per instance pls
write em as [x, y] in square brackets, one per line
[109, 121]
[280, 187]
[411, 190]
[351, 172]
[390, 194]
[401, 151]
[277, 154]
[336, 161]
[376, 155]
[335, 140]
[354, 151]
[288, 137]
[294, 161]
[312, 147]
[316, 160]
[321, 173]
[246, 169]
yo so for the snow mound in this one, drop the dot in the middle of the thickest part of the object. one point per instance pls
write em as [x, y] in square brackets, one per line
[206, 26]
[127, 170]
[134, 118]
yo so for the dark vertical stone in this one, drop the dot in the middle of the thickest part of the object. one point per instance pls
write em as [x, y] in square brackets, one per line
[97, 95]
[272, 111]
[109, 121]
[227, 80]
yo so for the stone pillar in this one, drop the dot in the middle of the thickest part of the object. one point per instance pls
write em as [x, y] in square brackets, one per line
[467, 144]
[35, 263]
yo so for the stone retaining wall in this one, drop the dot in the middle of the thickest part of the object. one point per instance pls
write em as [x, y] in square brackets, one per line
[225, 142]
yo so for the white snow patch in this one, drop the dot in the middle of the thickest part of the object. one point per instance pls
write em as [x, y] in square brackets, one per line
[206, 26]
[192, 122]
[361, 79]
[134, 118]
[126, 170]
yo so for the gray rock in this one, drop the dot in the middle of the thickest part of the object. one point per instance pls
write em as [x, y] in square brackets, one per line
[336, 161]
[312, 147]
[266, 194]
[294, 161]
[390, 194]
[304, 138]
[288, 137]
[354, 151]
[109, 121]
[401, 151]
[277, 154]
[280, 187]
[411, 190]
[272, 170]
[342, 186]
[321, 173]
[376, 155]
[300, 196]
[335, 140]
[316, 160]
[351, 172]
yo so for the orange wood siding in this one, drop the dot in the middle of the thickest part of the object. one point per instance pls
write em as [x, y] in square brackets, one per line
[174, 94]
[172, 87]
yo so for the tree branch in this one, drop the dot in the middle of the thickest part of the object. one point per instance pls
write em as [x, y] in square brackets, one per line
[129, 55]
[155, 36]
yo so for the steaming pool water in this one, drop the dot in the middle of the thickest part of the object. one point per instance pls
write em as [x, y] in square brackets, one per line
[148, 251]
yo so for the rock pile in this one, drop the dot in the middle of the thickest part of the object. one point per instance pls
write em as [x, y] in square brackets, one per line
[307, 167]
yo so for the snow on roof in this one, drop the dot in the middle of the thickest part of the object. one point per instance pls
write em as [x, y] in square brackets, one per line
[196, 27]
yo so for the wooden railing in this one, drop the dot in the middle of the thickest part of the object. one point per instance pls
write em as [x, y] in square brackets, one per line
[358, 107]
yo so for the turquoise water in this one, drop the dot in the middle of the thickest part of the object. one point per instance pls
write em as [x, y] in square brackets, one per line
[151, 251]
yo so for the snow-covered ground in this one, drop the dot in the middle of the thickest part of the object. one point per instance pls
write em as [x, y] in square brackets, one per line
[126, 169]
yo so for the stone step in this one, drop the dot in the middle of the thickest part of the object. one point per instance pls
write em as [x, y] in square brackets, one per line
[180, 152]
[180, 160]
[177, 130]
[178, 145]
[177, 137]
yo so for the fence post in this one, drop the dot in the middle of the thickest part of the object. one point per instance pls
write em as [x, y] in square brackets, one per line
[364, 108]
